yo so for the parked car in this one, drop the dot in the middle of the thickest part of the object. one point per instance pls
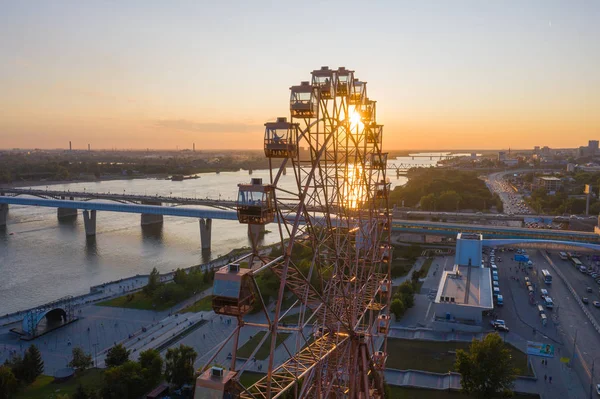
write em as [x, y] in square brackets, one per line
[501, 327]
[585, 300]
[498, 321]
[588, 289]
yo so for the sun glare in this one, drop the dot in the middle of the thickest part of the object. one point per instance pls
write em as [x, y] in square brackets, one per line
[355, 119]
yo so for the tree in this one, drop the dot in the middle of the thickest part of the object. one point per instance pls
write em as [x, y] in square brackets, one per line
[486, 370]
[116, 356]
[448, 201]
[33, 364]
[80, 360]
[397, 308]
[152, 365]
[180, 277]
[8, 383]
[179, 368]
[124, 381]
[153, 282]
[428, 202]
[17, 366]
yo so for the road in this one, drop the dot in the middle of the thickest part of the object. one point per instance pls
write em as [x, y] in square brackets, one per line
[513, 202]
[568, 327]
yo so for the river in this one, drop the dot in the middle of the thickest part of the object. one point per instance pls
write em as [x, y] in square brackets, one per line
[42, 260]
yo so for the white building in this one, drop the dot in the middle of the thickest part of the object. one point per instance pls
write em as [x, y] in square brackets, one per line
[465, 292]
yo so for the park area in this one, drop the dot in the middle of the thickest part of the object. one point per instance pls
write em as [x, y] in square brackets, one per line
[438, 356]
[263, 352]
[44, 386]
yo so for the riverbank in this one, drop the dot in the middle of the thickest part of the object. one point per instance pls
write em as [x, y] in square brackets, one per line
[120, 287]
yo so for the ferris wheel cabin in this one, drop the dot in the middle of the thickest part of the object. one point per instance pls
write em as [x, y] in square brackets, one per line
[358, 92]
[281, 139]
[232, 291]
[367, 110]
[255, 204]
[374, 134]
[322, 79]
[303, 101]
[343, 77]
[379, 161]
[382, 189]
[385, 287]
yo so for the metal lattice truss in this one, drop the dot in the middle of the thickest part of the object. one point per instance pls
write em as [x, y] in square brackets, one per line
[338, 215]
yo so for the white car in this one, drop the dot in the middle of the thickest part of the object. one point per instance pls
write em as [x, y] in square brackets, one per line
[494, 323]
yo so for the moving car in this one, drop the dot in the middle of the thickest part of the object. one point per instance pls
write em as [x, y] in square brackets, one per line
[501, 327]
[588, 289]
[498, 321]
[585, 300]
[596, 304]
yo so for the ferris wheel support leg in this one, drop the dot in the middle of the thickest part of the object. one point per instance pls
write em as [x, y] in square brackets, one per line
[235, 344]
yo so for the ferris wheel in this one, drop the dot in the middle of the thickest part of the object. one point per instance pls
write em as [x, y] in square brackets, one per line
[338, 218]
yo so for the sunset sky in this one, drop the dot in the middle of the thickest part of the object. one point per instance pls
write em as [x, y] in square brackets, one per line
[160, 74]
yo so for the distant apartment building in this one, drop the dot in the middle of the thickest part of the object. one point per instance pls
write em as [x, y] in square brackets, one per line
[501, 156]
[590, 150]
[571, 167]
[549, 183]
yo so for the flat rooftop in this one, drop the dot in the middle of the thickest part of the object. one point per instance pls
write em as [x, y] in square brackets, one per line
[464, 289]
[549, 178]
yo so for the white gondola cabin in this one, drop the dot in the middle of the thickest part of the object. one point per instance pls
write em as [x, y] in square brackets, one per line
[379, 161]
[233, 293]
[303, 101]
[343, 77]
[255, 204]
[383, 323]
[358, 92]
[281, 139]
[322, 79]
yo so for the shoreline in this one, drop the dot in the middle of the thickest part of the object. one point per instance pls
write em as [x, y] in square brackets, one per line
[117, 288]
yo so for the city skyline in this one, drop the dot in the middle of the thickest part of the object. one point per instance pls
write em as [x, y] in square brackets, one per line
[146, 75]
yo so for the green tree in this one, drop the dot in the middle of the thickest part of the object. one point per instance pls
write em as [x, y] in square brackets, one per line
[124, 381]
[33, 364]
[179, 368]
[16, 364]
[116, 356]
[62, 173]
[180, 277]
[80, 360]
[8, 383]
[428, 202]
[448, 201]
[152, 365]
[397, 308]
[153, 282]
[486, 370]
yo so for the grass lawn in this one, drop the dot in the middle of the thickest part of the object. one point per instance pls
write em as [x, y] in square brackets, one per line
[426, 266]
[44, 387]
[415, 393]
[263, 352]
[435, 356]
[250, 377]
[139, 300]
[204, 304]
[293, 318]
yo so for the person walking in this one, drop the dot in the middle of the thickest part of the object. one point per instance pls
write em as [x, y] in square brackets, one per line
[550, 379]
[545, 377]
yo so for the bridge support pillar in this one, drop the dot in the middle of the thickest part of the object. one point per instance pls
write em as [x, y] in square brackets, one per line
[205, 233]
[3, 214]
[147, 219]
[65, 213]
[89, 221]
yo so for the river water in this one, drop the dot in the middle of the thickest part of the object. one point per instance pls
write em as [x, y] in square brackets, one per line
[42, 259]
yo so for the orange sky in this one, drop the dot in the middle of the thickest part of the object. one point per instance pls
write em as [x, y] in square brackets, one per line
[147, 75]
